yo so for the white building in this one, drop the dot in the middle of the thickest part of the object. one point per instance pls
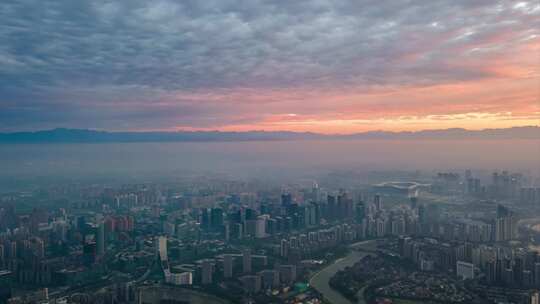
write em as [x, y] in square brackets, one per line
[184, 278]
[162, 247]
[465, 270]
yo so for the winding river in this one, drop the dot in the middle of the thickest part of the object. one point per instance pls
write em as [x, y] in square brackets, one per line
[320, 281]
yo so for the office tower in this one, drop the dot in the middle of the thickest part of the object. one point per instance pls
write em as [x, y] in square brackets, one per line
[246, 261]
[228, 266]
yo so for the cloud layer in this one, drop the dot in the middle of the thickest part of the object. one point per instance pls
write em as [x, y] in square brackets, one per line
[331, 66]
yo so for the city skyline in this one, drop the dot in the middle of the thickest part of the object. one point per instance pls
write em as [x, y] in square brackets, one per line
[320, 66]
[265, 151]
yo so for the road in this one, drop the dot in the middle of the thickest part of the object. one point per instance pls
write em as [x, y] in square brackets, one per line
[320, 281]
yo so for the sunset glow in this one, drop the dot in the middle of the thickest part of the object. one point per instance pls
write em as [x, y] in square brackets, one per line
[318, 67]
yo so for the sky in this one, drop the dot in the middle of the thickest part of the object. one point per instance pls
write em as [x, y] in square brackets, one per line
[323, 66]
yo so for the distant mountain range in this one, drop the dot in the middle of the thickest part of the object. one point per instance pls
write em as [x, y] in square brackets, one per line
[62, 135]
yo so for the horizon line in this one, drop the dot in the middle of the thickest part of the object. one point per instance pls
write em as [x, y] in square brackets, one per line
[267, 131]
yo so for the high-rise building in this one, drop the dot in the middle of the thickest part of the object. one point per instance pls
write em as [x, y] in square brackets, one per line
[287, 274]
[2, 256]
[537, 274]
[228, 266]
[422, 218]
[162, 248]
[464, 270]
[345, 206]
[360, 212]
[251, 283]
[246, 261]
[535, 297]
[260, 226]
[377, 202]
[270, 278]
[205, 219]
[284, 248]
[502, 211]
[206, 272]
[331, 207]
[286, 199]
[100, 239]
[6, 280]
[216, 218]
[313, 214]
